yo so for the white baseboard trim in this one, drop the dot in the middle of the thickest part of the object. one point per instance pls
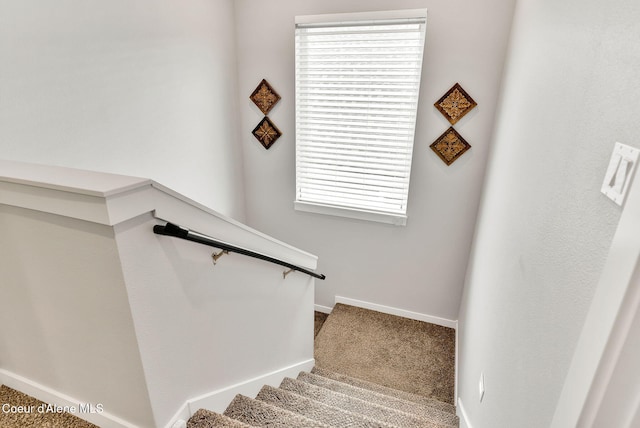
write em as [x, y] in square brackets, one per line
[398, 312]
[462, 414]
[220, 399]
[323, 309]
[50, 396]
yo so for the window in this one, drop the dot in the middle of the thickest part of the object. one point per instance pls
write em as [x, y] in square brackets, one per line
[357, 85]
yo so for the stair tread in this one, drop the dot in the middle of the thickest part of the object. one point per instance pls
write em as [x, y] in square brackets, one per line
[418, 409]
[261, 414]
[356, 405]
[408, 396]
[204, 418]
[332, 416]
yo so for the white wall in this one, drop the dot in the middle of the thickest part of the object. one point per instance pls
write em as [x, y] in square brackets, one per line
[419, 267]
[601, 387]
[621, 405]
[97, 308]
[65, 315]
[544, 229]
[200, 327]
[140, 87]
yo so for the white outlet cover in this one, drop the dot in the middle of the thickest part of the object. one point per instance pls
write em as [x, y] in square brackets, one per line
[481, 387]
[619, 172]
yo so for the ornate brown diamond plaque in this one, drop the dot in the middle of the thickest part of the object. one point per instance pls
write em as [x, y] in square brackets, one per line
[450, 146]
[265, 97]
[266, 132]
[455, 104]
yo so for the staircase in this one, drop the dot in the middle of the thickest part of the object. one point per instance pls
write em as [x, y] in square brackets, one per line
[326, 399]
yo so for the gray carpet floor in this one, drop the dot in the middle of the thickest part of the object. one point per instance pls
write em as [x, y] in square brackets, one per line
[33, 419]
[318, 321]
[395, 352]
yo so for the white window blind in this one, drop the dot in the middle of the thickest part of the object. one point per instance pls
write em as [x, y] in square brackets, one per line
[357, 85]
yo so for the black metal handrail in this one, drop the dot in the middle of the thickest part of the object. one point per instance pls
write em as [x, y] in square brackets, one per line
[171, 229]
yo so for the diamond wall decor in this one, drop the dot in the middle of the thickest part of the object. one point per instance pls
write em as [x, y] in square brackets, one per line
[455, 104]
[266, 132]
[450, 146]
[265, 97]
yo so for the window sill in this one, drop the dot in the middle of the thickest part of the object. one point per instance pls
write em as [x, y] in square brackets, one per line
[395, 219]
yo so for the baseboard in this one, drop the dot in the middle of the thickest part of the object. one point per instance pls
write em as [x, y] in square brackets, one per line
[398, 312]
[462, 414]
[323, 309]
[181, 417]
[50, 396]
[220, 399]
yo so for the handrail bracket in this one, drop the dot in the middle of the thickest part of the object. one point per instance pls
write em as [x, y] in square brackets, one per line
[286, 272]
[215, 256]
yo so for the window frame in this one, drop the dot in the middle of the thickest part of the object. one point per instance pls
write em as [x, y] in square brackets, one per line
[333, 20]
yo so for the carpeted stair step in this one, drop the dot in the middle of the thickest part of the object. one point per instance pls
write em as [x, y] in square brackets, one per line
[260, 414]
[315, 410]
[385, 390]
[421, 411]
[383, 414]
[397, 352]
[207, 419]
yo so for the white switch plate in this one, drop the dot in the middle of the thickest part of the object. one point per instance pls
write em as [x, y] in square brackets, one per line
[619, 172]
[481, 387]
